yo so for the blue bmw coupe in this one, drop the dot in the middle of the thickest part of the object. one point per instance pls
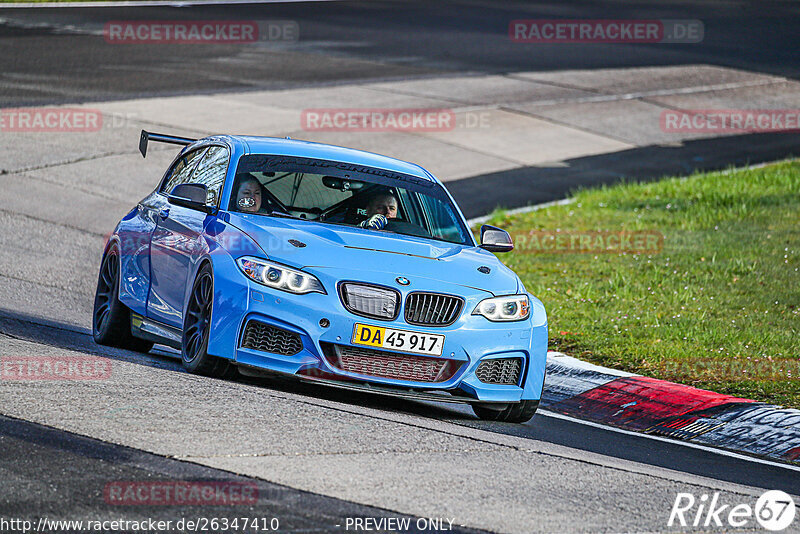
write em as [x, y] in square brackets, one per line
[336, 266]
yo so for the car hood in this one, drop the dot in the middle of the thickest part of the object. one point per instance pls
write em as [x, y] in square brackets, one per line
[355, 249]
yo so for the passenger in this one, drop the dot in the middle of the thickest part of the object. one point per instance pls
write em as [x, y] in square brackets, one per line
[248, 195]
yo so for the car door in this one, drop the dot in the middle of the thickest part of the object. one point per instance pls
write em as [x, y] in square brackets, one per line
[171, 245]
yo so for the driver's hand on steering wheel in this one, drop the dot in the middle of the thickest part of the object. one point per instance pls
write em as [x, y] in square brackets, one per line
[376, 222]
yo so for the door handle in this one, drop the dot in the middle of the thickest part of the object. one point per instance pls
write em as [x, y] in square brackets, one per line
[164, 213]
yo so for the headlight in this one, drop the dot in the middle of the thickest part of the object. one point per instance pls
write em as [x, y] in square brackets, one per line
[512, 308]
[279, 276]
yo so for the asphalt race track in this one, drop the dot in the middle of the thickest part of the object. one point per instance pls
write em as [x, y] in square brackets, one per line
[360, 448]
[320, 457]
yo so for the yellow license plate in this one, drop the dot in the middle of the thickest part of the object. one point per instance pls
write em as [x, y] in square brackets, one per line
[398, 340]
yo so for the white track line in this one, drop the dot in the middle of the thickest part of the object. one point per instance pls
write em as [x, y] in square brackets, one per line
[525, 209]
[721, 452]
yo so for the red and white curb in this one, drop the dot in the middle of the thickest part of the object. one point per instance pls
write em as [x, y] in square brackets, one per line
[642, 404]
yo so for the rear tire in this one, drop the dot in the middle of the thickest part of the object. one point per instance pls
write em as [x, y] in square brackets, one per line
[111, 319]
[196, 329]
[518, 412]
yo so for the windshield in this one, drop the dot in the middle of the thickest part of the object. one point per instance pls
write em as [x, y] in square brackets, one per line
[341, 193]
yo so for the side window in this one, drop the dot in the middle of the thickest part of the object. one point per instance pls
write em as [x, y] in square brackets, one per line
[442, 219]
[211, 172]
[182, 171]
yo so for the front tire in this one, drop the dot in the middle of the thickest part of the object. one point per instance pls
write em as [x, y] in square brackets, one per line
[518, 412]
[111, 319]
[196, 329]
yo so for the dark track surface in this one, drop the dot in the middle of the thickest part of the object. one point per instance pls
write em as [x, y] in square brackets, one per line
[544, 427]
[64, 476]
[351, 41]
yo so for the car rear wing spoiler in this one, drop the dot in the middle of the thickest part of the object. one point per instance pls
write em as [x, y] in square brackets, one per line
[161, 138]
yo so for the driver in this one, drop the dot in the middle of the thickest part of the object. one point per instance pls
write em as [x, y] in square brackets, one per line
[381, 207]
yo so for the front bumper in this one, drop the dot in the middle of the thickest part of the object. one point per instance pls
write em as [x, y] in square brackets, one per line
[469, 340]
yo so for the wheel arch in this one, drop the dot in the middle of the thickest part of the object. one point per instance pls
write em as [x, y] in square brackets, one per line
[113, 240]
[196, 267]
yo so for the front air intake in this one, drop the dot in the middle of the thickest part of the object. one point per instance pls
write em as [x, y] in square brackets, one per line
[268, 338]
[499, 371]
[381, 363]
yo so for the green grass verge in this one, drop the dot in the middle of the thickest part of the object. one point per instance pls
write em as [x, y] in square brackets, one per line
[717, 308]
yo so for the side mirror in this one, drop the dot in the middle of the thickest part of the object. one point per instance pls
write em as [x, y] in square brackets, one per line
[192, 196]
[495, 239]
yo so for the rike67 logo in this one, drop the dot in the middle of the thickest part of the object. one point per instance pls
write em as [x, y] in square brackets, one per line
[774, 511]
